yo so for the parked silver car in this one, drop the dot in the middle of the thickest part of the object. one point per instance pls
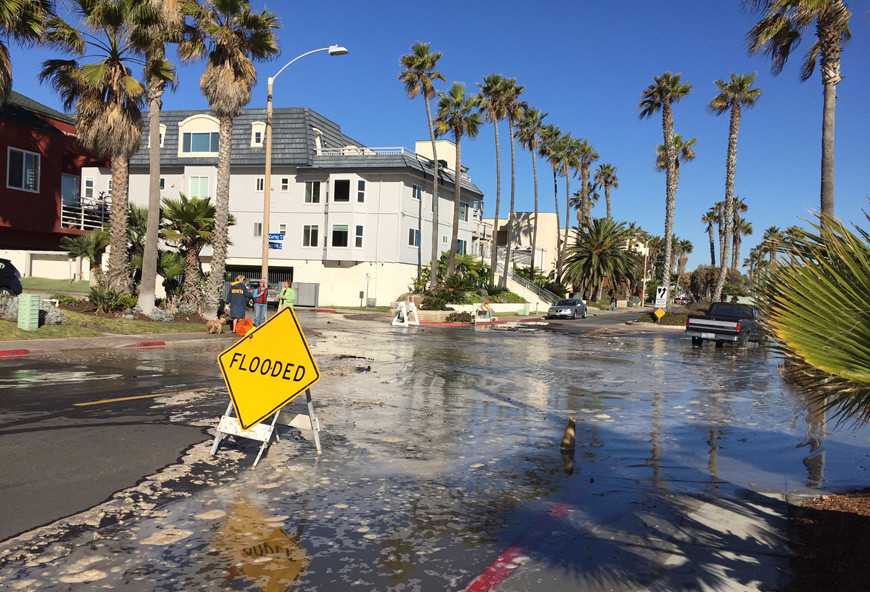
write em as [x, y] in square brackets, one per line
[567, 308]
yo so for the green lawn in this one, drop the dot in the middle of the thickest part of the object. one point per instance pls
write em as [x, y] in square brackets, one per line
[37, 284]
[83, 325]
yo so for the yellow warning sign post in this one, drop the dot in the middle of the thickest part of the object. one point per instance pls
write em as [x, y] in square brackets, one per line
[264, 371]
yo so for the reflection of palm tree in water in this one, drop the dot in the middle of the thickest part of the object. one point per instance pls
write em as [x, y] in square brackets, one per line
[817, 431]
[659, 378]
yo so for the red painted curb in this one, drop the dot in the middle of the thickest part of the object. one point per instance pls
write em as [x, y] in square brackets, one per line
[144, 344]
[332, 310]
[13, 352]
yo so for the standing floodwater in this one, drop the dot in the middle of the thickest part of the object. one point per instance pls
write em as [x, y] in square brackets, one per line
[441, 470]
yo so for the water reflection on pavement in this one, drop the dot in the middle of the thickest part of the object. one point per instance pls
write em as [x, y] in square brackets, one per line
[441, 470]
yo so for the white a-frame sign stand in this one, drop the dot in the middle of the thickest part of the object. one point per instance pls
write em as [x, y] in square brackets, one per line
[264, 371]
[262, 432]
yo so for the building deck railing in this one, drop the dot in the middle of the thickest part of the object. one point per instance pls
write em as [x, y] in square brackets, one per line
[86, 213]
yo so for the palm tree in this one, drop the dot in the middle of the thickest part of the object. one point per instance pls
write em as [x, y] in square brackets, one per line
[685, 152]
[418, 78]
[569, 161]
[586, 155]
[514, 111]
[771, 240]
[137, 221]
[455, 114]
[91, 246]
[551, 143]
[107, 99]
[742, 227]
[232, 36]
[779, 31]
[733, 96]
[492, 105]
[709, 218]
[685, 247]
[26, 21]
[605, 176]
[158, 73]
[601, 250]
[190, 225]
[529, 133]
[659, 96]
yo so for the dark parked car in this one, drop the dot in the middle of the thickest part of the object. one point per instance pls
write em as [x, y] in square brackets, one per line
[9, 278]
[567, 308]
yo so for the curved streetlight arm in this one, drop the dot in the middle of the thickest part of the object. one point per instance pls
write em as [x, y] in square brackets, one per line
[332, 49]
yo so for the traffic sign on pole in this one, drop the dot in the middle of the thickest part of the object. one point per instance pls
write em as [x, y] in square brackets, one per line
[268, 368]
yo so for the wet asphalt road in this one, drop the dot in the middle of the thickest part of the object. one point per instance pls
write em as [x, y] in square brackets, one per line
[440, 467]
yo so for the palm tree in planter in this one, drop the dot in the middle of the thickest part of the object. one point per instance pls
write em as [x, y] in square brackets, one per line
[529, 132]
[419, 77]
[733, 96]
[601, 250]
[232, 36]
[456, 113]
[659, 96]
[779, 31]
[91, 246]
[189, 224]
[605, 176]
[107, 99]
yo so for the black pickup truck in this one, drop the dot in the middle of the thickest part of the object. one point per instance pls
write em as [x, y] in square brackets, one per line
[725, 322]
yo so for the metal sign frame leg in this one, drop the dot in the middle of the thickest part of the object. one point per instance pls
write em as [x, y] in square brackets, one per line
[315, 425]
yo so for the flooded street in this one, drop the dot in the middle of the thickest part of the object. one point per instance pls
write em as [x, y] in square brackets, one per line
[441, 470]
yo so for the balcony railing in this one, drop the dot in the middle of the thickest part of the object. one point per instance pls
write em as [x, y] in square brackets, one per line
[375, 152]
[86, 213]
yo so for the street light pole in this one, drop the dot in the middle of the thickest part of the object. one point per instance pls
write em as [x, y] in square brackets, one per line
[267, 187]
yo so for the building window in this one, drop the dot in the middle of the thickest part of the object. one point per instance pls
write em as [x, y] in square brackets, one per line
[258, 229]
[358, 237]
[416, 192]
[282, 228]
[309, 235]
[69, 190]
[460, 247]
[413, 237]
[258, 133]
[342, 191]
[463, 211]
[200, 142]
[199, 187]
[285, 183]
[109, 186]
[361, 191]
[162, 183]
[89, 186]
[339, 235]
[22, 171]
[261, 182]
[444, 240]
[312, 192]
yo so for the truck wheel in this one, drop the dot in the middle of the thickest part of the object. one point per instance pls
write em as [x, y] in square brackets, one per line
[743, 340]
[697, 341]
[720, 344]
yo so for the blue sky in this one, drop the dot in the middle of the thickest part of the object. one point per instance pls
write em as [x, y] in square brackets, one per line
[584, 63]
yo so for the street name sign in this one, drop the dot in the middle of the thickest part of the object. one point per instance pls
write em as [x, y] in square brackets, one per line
[268, 368]
[276, 236]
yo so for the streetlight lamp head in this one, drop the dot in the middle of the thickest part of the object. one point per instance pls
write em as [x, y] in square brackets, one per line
[337, 50]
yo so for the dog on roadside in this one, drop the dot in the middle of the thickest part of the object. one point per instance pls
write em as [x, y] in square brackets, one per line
[215, 326]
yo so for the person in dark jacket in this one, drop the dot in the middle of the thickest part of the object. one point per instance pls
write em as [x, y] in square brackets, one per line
[238, 296]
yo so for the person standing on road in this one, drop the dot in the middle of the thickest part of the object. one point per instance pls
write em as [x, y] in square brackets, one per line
[287, 297]
[261, 295]
[238, 297]
[613, 302]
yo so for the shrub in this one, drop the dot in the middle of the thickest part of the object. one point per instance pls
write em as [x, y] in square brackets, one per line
[185, 308]
[49, 315]
[65, 299]
[459, 317]
[433, 302]
[106, 299]
[8, 307]
[129, 300]
[161, 316]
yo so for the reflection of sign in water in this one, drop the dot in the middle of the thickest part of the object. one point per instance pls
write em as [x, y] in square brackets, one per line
[260, 550]
[267, 369]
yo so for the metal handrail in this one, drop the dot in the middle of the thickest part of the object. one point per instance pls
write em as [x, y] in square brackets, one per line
[540, 292]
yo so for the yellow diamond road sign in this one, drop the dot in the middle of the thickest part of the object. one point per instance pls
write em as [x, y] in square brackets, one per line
[267, 368]
[660, 313]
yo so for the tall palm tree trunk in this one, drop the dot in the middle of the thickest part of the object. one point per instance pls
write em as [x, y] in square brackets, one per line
[148, 284]
[728, 214]
[510, 224]
[712, 244]
[567, 216]
[559, 258]
[221, 216]
[494, 253]
[119, 276]
[607, 199]
[535, 226]
[457, 194]
[436, 255]
[671, 189]
[830, 47]
[735, 259]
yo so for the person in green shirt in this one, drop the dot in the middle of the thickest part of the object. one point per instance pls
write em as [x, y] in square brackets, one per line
[287, 297]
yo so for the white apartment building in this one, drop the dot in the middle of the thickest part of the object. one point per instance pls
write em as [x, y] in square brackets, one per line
[349, 224]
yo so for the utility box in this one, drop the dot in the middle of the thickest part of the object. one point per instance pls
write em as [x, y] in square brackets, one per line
[28, 312]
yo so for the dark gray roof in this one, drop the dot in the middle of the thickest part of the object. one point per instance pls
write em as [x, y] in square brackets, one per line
[292, 138]
[31, 105]
[24, 111]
